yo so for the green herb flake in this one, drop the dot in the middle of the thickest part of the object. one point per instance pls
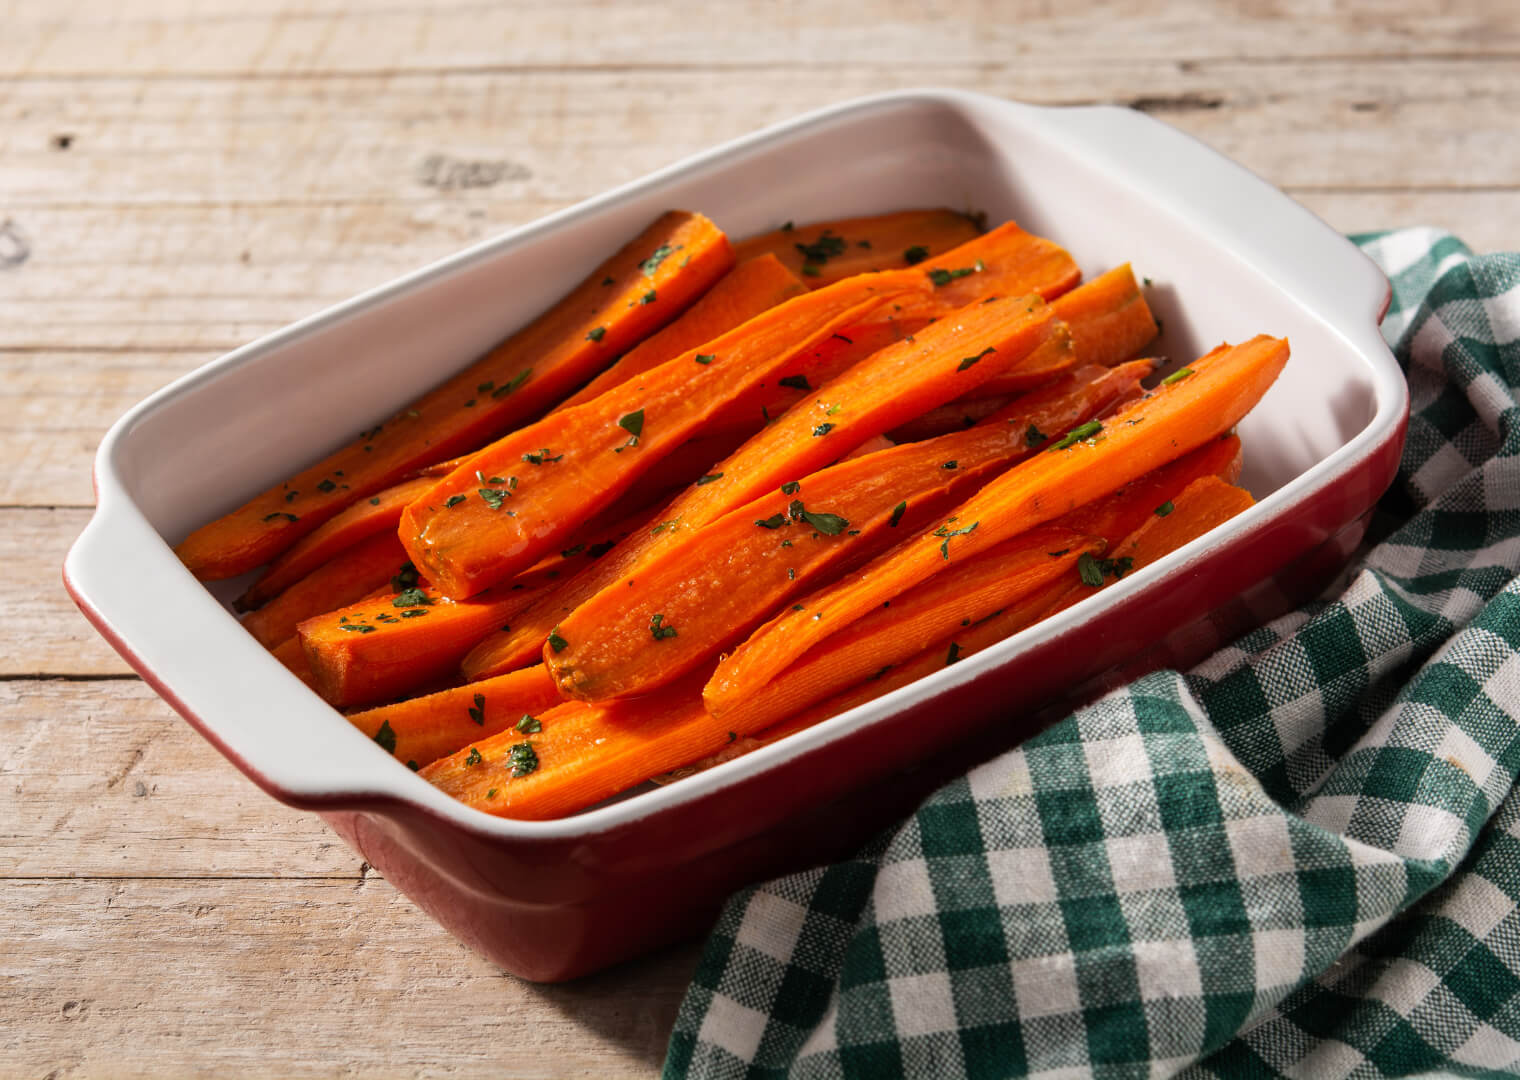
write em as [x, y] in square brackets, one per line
[453, 500]
[405, 577]
[493, 497]
[375, 501]
[1177, 376]
[705, 358]
[572, 552]
[414, 613]
[795, 382]
[791, 574]
[597, 334]
[517, 381]
[492, 793]
[290, 496]
[280, 514]
[970, 361]
[1089, 571]
[657, 628]
[478, 710]
[523, 759]
[810, 270]
[413, 597]
[1033, 437]
[473, 757]
[326, 486]
[945, 277]
[647, 298]
[828, 524]
[486, 387]
[788, 227]
[1076, 435]
[413, 766]
[358, 628]
[822, 429]
[823, 249]
[557, 643]
[1165, 508]
[709, 478]
[528, 725]
[661, 253]
[775, 521]
[950, 465]
[633, 423]
[386, 737]
[791, 487]
[915, 254]
[897, 514]
[541, 458]
[607, 280]
[946, 532]
[953, 655]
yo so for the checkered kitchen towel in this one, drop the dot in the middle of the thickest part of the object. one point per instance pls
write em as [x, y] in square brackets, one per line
[1302, 858]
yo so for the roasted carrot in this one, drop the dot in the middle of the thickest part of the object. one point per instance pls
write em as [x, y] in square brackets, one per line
[1006, 261]
[365, 518]
[290, 653]
[423, 729]
[751, 287]
[1190, 408]
[632, 294]
[342, 580]
[959, 414]
[581, 755]
[827, 251]
[1072, 400]
[515, 500]
[1204, 504]
[1109, 318]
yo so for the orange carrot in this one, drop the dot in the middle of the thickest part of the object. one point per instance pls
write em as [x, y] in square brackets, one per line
[959, 414]
[1206, 503]
[632, 294]
[290, 653]
[342, 580]
[380, 513]
[516, 499]
[1073, 400]
[582, 754]
[1192, 407]
[1109, 318]
[751, 287]
[828, 251]
[1007, 261]
[422, 730]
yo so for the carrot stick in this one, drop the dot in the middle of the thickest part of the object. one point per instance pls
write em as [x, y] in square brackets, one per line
[1109, 318]
[342, 580]
[751, 287]
[1001, 576]
[423, 729]
[648, 282]
[828, 251]
[290, 653]
[379, 513]
[1007, 261]
[516, 499]
[1073, 400]
[1182, 414]
[582, 754]
[1203, 505]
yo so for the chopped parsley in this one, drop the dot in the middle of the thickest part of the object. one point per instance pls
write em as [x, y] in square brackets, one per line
[413, 597]
[946, 532]
[950, 465]
[970, 361]
[528, 725]
[357, 628]
[791, 487]
[405, 577]
[517, 380]
[557, 643]
[775, 521]
[705, 358]
[647, 298]
[541, 457]
[1033, 437]
[828, 524]
[1076, 435]
[661, 253]
[821, 250]
[915, 254]
[597, 334]
[473, 757]
[945, 277]
[1174, 377]
[326, 485]
[373, 502]
[1092, 570]
[386, 737]
[280, 514]
[494, 497]
[523, 759]
[478, 710]
[796, 382]
[709, 478]
[822, 429]
[412, 613]
[453, 501]
[657, 628]
[633, 423]
[953, 655]
[897, 512]
[1165, 508]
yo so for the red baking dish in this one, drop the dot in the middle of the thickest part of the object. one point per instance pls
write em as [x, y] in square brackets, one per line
[1229, 256]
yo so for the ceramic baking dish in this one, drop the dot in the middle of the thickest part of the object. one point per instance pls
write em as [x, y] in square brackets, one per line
[1228, 256]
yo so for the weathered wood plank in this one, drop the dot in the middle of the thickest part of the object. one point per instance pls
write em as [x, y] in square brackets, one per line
[295, 979]
[275, 38]
[102, 779]
[558, 136]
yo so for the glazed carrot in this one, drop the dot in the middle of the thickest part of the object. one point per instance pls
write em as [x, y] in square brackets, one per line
[516, 499]
[1073, 400]
[751, 287]
[1109, 318]
[709, 585]
[423, 729]
[632, 294]
[1000, 576]
[582, 754]
[1192, 407]
[413, 637]
[987, 585]
[828, 251]
[365, 518]
[1007, 261]
[1204, 504]
[342, 580]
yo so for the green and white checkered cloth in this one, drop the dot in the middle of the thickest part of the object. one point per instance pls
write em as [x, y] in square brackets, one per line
[1301, 858]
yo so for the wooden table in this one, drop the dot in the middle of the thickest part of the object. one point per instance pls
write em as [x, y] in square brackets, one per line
[181, 178]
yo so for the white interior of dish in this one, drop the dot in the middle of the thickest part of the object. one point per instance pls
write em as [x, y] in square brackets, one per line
[1227, 256]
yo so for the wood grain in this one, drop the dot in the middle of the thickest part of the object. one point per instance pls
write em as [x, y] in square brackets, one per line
[176, 180]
